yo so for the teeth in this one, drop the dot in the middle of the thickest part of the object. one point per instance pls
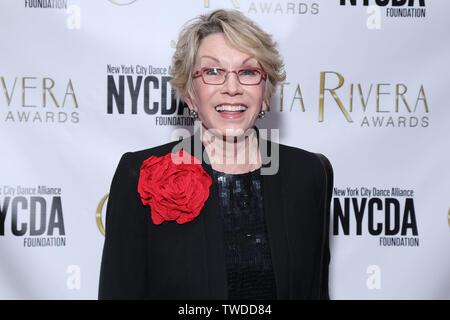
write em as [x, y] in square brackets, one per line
[230, 108]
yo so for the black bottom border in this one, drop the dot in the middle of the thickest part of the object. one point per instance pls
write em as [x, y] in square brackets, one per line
[198, 309]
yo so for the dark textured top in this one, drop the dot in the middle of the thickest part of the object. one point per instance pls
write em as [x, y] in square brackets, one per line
[247, 250]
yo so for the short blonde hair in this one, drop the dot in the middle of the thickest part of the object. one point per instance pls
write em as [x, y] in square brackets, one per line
[242, 33]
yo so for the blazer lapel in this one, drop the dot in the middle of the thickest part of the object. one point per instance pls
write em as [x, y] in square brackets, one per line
[213, 230]
[275, 221]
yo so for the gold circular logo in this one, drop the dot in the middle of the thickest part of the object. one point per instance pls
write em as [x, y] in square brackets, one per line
[98, 214]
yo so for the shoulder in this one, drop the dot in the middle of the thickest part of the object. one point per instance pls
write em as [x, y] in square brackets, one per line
[301, 165]
[296, 154]
[133, 160]
[304, 159]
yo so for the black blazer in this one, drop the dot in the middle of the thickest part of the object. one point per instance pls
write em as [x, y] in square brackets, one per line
[172, 261]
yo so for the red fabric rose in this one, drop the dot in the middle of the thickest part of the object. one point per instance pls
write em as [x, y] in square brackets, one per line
[175, 186]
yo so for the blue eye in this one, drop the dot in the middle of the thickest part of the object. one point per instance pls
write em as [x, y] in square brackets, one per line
[213, 72]
[249, 72]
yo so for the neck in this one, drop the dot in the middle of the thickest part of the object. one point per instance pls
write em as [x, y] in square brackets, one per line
[232, 154]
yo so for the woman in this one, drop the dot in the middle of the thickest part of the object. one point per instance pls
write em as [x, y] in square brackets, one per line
[209, 222]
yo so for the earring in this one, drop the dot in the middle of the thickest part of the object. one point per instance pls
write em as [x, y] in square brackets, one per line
[261, 114]
[193, 114]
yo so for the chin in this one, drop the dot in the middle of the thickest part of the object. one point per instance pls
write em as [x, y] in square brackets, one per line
[229, 131]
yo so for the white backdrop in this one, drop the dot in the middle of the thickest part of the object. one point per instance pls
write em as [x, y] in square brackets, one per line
[365, 86]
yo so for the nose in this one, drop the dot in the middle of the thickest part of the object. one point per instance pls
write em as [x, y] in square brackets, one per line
[232, 85]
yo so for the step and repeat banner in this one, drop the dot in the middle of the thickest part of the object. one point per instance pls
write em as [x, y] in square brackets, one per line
[83, 82]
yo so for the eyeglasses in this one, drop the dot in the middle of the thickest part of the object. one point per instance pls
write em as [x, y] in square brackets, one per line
[249, 76]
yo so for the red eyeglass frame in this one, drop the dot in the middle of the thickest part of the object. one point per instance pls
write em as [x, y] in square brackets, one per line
[199, 73]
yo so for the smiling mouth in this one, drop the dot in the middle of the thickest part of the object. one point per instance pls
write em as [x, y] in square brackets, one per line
[231, 108]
